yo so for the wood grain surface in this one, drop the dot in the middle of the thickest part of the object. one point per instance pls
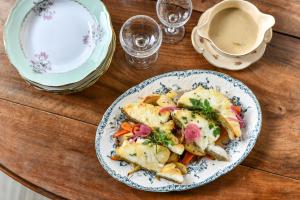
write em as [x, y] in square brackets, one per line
[47, 140]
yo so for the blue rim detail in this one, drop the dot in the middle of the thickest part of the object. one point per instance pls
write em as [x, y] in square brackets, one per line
[176, 187]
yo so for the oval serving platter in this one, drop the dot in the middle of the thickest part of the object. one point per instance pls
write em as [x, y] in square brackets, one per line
[200, 172]
[57, 42]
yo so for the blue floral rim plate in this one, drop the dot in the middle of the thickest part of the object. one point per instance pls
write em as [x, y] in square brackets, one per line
[202, 171]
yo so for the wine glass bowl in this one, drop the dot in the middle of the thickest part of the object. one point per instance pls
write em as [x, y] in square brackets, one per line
[141, 38]
[174, 14]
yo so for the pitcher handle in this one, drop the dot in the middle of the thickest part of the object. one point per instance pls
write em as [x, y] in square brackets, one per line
[268, 36]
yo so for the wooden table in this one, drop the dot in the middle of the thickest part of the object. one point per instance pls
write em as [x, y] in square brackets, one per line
[47, 140]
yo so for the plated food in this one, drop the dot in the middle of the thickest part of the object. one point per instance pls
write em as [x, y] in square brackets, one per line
[178, 130]
[163, 133]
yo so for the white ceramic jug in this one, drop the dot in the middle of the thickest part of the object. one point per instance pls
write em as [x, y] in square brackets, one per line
[263, 21]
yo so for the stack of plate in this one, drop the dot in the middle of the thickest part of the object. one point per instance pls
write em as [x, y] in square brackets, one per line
[60, 46]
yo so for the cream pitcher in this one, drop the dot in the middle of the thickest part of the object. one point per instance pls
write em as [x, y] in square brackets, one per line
[236, 27]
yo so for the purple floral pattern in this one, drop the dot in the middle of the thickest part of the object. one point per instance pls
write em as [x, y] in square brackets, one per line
[86, 39]
[40, 63]
[93, 37]
[43, 8]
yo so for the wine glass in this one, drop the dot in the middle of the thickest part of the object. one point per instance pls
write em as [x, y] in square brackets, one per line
[174, 14]
[141, 38]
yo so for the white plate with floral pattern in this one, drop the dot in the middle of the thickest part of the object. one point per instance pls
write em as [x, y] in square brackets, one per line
[57, 42]
[200, 172]
[82, 84]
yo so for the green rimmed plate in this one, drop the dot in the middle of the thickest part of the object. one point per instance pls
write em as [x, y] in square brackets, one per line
[57, 42]
[87, 81]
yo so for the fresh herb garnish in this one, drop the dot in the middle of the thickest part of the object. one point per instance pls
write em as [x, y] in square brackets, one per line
[194, 114]
[205, 108]
[134, 154]
[158, 137]
[185, 120]
[217, 132]
[210, 126]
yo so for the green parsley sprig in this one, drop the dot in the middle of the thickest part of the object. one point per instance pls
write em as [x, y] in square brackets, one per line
[216, 131]
[158, 137]
[205, 108]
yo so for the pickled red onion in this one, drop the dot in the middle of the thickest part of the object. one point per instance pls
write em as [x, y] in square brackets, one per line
[233, 119]
[168, 108]
[191, 133]
[238, 119]
[140, 130]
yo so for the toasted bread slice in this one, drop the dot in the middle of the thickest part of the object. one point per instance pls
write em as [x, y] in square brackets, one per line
[167, 129]
[150, 157]
[161, 100]
[146, 113]
[177, 148]
[217, 152]
[171, 172]
[165, 101]
[208, 130]
[149, 115]
[219, 102]
[151, 99]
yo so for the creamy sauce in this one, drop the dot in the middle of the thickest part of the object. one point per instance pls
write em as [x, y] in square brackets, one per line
[233, 31]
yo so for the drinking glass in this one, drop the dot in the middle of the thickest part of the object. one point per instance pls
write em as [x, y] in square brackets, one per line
[174, 14]
[141, 38]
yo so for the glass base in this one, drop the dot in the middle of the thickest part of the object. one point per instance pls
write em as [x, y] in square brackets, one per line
[141, 63]
[173, 35]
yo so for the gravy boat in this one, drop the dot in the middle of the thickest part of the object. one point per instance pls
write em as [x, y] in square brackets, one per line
[263, 21]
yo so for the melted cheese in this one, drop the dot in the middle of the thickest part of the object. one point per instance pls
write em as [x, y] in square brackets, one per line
[148, 157]
[184, 117]
[146, 114]
[220, 103]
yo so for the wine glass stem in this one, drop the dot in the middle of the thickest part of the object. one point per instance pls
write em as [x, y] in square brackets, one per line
[173, 35]
[171, 30]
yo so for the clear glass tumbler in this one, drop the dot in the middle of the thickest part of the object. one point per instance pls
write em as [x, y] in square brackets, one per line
[141, 38]
[174, 14]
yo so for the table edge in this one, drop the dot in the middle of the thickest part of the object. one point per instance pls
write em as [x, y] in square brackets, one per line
[29, 184]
